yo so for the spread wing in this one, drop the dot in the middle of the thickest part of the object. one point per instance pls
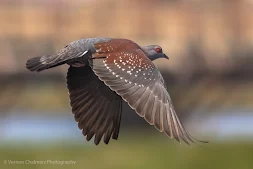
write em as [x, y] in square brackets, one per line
[135, 78]
[96, 108]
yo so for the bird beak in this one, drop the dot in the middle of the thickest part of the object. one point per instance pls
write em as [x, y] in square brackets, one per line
[166, 56]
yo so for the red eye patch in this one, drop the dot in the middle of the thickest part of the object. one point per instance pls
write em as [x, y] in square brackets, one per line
[158, 49]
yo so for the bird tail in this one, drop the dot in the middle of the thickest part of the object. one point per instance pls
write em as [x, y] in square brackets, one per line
[44, 62]
[69, 54]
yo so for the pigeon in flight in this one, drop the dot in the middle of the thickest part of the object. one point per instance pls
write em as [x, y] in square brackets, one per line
[105, 71]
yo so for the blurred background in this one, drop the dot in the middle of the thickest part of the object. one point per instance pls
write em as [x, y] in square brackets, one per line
[209, 76]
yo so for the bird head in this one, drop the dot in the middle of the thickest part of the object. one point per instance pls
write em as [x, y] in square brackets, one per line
[154, 52]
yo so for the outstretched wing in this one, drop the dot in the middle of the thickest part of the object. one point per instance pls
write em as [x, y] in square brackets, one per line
[96, 107]
[125, 68]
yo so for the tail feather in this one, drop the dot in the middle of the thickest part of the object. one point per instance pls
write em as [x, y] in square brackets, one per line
[74, 52]
[41, 63]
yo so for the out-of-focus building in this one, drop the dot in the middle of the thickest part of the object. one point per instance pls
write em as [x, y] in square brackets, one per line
[220, 29]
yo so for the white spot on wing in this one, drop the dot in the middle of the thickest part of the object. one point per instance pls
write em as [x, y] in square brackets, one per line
[84, 53]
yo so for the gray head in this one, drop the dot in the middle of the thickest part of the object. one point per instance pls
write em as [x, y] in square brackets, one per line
[154, 52]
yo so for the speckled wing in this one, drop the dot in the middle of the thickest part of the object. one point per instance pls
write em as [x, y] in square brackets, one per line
[124, 67]
[96, 108]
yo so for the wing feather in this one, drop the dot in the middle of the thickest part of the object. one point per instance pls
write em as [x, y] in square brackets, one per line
[140, 84]
[96, 108]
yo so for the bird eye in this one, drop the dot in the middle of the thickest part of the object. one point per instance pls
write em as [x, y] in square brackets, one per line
[158, 49]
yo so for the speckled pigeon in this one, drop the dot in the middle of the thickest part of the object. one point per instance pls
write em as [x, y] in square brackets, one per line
[105, 71]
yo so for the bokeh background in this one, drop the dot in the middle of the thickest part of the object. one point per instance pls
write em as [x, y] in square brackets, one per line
[209, 76]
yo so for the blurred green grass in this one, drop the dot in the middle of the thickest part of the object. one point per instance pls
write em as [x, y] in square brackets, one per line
[134, 151]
